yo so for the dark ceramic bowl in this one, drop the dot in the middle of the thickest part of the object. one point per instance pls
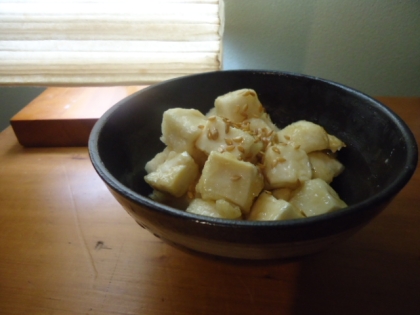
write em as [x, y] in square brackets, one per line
[380, 158]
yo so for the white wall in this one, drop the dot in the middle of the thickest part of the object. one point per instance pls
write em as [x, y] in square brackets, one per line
[371, 45]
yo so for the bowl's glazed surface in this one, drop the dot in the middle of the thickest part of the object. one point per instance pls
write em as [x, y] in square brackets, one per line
[380, 158]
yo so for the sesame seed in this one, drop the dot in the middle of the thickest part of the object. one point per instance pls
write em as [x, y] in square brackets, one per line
[228, 141]
[275, 149]
[235, 178]
[238, 139]
[214, 133]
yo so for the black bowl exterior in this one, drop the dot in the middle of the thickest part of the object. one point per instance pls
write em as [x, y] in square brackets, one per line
[380, 158]
[239, 241]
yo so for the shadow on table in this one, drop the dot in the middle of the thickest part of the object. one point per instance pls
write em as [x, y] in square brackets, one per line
[351, 280]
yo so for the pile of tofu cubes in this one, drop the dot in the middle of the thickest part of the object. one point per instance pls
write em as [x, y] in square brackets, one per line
[235, 163]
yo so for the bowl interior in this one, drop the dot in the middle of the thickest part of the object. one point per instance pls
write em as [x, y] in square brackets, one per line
[379, 158]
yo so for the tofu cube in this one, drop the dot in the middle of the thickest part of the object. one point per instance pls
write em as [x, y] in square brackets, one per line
[157, 160]
[305, 135]
[239, 105]
[324, 166]
[219, 135]
[282, 193]
[216, 209]
[316, 197]
[257, 125]
[225, 177]
[268, 208]
[335, 144]
[228, 210]
[180, 130]
[175, 175]
[286, 166]
[267, 119]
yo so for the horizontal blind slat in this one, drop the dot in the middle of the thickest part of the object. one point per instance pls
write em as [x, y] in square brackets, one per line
[110, 46]
[92, 80]
[126, 31]
[136, 11]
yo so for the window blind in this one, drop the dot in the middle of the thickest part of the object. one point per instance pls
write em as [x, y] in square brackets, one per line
[107, 42]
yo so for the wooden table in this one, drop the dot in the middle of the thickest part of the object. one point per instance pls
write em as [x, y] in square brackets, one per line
[67, 247]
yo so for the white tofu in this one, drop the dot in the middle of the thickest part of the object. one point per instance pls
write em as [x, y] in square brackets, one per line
[157, 160]
[211, 112]
[282, 193]
[239, 105]
[218, 136]
[267, 119]
[225, 177]
[175, 175]
[310, 137]
[268, 208]
[180, 130]
[324, 166]
[305, 135]
[258, 124]
[228, 210]
[286, 166]
[316, 197]
[203, 207]
[335, 144]
[217, 209]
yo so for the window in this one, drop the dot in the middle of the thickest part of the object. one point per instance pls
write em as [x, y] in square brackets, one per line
[107, 42]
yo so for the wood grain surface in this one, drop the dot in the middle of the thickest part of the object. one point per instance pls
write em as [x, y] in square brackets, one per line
[67, 247]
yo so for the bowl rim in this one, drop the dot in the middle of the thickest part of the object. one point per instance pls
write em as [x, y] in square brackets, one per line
[382, 197]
